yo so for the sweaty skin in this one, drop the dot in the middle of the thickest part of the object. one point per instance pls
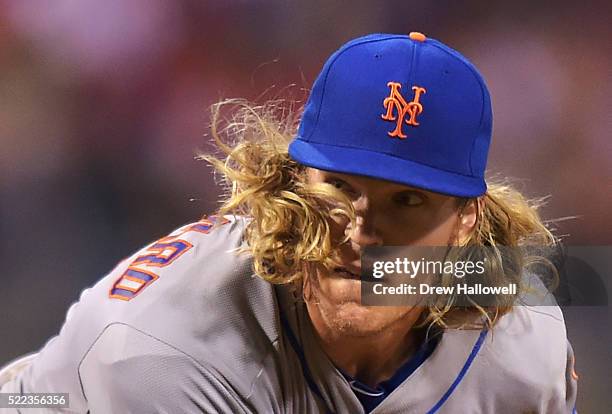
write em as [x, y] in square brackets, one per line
[380, 339]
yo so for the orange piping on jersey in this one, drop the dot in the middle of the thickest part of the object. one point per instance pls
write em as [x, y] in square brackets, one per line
[575, 376]
[125, 298]
[124, 287]
[196, 227]
[157, 252]
[133, 279]
[154, 277]
[204, 221]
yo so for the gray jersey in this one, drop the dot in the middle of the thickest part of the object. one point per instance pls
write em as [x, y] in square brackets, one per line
[185, 326]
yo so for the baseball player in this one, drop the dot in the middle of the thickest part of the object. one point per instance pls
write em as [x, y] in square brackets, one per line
[257, 309]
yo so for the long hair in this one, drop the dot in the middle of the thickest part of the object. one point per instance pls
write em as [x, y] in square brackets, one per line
[289, 228]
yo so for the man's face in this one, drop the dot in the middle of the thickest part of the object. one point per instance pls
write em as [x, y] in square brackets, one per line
[387, 214]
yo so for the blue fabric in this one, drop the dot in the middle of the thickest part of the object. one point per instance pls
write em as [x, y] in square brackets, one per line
[385, 388]
[343, 127]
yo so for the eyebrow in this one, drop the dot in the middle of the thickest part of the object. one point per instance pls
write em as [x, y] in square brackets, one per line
[348, 179]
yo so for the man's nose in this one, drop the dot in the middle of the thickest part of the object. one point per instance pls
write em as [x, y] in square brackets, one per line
[366, 231]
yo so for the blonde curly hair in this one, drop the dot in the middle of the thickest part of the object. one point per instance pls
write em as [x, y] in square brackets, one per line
[290, 226]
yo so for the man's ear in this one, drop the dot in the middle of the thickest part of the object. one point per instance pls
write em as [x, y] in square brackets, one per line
[468, 216]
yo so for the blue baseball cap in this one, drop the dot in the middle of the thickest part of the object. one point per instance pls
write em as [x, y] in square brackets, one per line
[401, 108]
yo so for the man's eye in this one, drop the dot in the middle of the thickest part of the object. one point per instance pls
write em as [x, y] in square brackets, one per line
[409, 199]
[341, 185]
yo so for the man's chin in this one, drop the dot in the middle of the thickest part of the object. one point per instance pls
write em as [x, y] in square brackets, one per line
[352, 319]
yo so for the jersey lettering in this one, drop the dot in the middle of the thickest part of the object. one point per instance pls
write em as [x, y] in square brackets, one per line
[161, 253]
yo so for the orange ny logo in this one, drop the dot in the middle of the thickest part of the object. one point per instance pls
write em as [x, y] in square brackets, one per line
[399, 110]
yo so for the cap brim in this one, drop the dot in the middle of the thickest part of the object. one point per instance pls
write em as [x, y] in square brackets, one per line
[385, 167]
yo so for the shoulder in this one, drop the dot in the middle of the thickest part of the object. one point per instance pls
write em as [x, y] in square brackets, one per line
[189, 294]
[524, 355]
[520, 365]
[168, 262]
[529, 343]
[195, 290]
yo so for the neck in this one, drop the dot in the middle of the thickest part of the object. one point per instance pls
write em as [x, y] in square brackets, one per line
[370, 357]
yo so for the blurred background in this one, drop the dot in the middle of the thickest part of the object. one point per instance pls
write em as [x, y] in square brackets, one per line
[103, 105]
